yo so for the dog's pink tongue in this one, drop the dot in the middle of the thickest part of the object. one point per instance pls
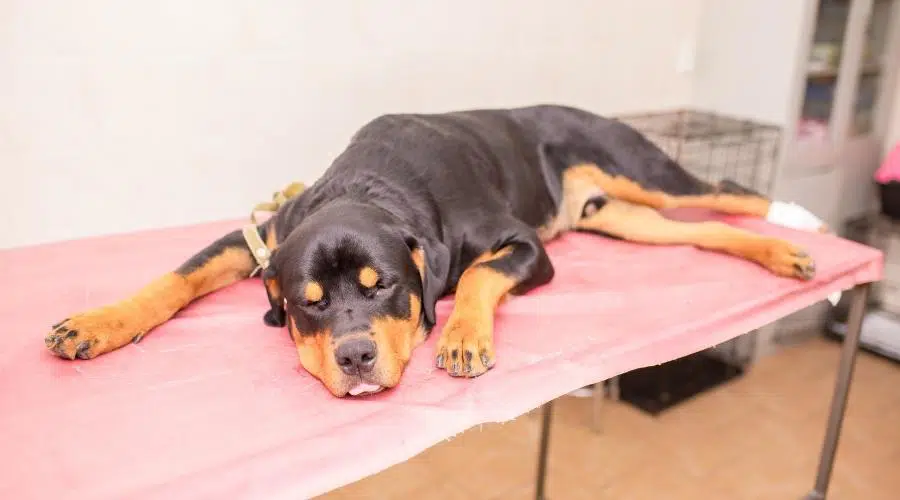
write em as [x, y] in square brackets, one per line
[364, 388]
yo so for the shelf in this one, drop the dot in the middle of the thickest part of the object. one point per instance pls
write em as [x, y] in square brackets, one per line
[832, 73]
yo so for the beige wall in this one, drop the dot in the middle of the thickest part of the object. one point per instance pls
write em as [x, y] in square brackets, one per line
[749, 72]
[122, 115]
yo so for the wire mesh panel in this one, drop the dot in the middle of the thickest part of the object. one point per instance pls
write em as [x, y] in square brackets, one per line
[714, 146]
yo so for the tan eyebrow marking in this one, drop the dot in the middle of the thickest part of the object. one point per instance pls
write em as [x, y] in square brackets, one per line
[368, 277]
[313, 291]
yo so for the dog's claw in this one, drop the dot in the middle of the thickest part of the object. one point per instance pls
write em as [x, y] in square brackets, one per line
[92, 333]
[467, 362]
[464, 351]
[806, 272]
[52, 341]
[486, 360]
[82, 351]
[787, 260]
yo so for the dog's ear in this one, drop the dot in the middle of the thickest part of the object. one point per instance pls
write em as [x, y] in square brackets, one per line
[433, 260]
[276, 315]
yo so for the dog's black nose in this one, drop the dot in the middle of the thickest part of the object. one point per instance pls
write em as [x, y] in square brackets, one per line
[356, 356]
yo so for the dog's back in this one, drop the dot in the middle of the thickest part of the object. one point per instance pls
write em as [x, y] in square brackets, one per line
[442, 167]
[512, 160]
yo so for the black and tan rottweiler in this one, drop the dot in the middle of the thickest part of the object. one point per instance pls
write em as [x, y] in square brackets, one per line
[422, 205]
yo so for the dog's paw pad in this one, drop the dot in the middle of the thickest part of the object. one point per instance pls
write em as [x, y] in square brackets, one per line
[464, 350]
[788, 260]
[88, 335]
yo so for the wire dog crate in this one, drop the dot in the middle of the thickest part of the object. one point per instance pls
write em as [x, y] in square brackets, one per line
[713, 147]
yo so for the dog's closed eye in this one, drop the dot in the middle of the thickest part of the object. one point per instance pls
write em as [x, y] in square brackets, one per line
[378, 287]
[314, 296]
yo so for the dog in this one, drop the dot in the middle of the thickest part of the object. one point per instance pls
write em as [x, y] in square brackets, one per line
[419, 206]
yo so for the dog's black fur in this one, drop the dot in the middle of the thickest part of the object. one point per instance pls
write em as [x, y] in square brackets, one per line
[452, 186]
[460, 184]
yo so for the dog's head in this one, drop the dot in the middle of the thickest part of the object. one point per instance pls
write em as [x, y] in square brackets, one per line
[359, 290]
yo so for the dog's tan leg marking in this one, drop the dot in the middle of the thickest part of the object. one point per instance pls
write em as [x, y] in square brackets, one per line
[617, 186]
[466, 345]
[731, 204]
[106, 328]
[273, 288]
[625, 189]
[271, 235]
[643, 224]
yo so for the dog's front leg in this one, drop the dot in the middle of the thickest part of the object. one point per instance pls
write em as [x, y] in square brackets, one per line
[103, 329]
[515, 265]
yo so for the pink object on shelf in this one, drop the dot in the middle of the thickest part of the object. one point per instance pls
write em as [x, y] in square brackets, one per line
[890, 167]
[812, 130]
[212, 405]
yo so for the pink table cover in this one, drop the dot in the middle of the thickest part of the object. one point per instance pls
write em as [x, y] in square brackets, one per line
[213, 405]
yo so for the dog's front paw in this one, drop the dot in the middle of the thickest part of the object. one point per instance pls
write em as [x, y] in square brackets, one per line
[466, 347]
[275, 316]
[90, 334]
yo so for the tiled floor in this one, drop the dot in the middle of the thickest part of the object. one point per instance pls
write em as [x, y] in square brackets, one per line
[757, 438]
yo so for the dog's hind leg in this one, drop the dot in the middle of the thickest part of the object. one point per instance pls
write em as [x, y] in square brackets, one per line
[97, 331]
[727, 198]
[730, 198]
[642, 224]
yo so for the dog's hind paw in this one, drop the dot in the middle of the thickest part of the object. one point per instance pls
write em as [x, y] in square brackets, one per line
[786, 259]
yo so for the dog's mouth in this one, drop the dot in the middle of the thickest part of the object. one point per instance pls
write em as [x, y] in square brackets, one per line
[364, 388]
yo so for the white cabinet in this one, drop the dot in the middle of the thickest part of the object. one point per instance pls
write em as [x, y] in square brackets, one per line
[847, 61]
[844, 88]
[844, 80]
[823, 70]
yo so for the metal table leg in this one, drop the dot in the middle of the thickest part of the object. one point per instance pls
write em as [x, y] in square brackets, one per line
[835, 418]
[614, 392]
[841, 391]
[598, 395]
[542, 450]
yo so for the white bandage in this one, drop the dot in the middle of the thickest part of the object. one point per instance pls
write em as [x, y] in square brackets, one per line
[793, 216]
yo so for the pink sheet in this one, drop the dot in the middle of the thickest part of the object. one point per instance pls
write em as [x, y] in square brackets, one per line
[213, 405]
